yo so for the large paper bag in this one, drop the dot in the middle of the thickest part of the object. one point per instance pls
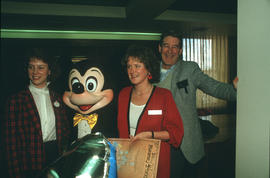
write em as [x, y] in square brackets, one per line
[137, 159]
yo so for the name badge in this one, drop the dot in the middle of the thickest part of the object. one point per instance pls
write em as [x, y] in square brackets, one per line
[154, 112]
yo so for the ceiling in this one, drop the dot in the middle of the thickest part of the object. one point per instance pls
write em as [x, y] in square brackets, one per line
[120, 15]
[65, 26]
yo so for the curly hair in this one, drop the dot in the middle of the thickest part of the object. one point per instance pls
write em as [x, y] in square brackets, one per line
[147, 56]
[173, 34]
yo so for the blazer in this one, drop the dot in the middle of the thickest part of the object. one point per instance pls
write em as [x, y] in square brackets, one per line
[169, 119]
[22, 135]
[187, 77]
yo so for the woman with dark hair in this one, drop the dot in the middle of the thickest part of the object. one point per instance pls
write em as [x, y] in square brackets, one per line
[36, 129]
[146, 111]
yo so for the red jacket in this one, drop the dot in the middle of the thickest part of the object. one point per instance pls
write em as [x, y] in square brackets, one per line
[170, 120]
[22, 139]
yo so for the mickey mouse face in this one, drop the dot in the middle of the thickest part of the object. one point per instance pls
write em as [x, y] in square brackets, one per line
[91, 81]
[86, 93]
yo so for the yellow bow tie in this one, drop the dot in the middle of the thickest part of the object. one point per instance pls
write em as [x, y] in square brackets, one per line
[91, 119]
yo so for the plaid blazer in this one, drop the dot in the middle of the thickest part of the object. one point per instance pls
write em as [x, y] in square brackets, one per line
[22, 133]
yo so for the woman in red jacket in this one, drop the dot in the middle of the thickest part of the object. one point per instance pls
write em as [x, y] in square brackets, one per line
[146, 111]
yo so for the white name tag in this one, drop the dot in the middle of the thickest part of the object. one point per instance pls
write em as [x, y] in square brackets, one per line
[154, 112]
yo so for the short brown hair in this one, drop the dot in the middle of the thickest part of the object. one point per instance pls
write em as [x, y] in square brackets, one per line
[147, 56]
[173, 34]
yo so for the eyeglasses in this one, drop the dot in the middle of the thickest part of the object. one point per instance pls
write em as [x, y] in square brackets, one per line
[174, 47]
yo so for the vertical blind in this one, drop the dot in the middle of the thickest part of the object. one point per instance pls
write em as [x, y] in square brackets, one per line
[211, 53]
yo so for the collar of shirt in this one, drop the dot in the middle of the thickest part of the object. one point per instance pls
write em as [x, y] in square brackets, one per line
[39, 91]
[164, 72]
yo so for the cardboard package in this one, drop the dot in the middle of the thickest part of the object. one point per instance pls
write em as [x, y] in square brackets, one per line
[137, 159]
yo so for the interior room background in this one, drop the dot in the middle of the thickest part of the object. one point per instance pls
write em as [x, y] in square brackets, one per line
[202, 23]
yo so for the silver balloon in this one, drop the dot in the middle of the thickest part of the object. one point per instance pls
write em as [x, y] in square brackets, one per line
[89, 157]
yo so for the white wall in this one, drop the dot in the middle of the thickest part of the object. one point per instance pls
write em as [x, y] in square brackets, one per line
[253, 100]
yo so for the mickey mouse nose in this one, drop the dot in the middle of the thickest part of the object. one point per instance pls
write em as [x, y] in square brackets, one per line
[77, 88]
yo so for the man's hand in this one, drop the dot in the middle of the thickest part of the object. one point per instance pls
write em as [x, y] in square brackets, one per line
[235, 82]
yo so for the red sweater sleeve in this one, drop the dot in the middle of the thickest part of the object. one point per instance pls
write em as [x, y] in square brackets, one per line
[122, 122]
[173, 121]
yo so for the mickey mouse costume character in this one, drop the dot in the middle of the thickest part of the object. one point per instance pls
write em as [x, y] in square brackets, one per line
[90, 95]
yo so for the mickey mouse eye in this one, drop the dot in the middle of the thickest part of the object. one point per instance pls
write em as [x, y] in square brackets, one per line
[77, 87]
[91, 84]
[74, 80]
